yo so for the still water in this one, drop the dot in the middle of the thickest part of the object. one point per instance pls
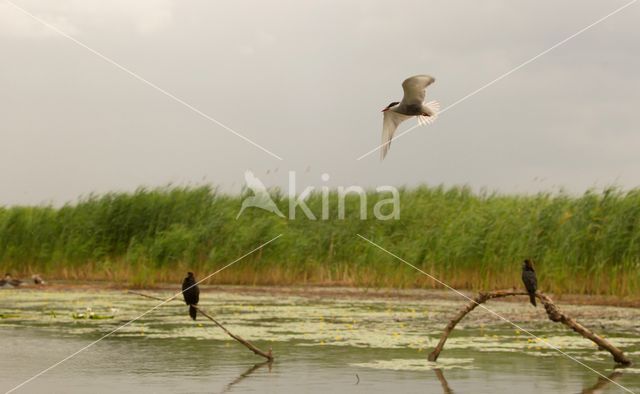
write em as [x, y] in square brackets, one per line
[324, 344]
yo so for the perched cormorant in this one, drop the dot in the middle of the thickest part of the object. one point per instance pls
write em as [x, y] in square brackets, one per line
[191, 293]
[529, 280]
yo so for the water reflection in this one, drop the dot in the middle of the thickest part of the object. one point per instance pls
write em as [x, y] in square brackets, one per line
[245, 375]
[602, 383]
[598, 387]
[443, 381]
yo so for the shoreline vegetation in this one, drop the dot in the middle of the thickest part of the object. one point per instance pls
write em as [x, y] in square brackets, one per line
[587, 244]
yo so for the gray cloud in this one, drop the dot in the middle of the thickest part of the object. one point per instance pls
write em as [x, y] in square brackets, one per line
[307, 80]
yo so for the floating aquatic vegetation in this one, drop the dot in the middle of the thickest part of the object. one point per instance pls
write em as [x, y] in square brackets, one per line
[91, 315]
[307, 322]
[419, 364]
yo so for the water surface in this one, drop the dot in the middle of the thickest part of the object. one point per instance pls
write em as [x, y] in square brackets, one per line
[342, 345]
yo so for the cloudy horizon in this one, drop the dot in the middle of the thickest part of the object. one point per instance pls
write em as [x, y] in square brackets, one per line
[307, 82]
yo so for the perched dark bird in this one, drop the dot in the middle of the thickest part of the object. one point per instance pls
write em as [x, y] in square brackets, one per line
[191, 293]
[529, 280]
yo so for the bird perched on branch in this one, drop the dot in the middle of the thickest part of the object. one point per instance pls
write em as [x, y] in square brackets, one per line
[191, 293]
[413, 104]
[529, 280]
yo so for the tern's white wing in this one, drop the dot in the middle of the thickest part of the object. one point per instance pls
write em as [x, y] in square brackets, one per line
[389, 126]
[414, 89]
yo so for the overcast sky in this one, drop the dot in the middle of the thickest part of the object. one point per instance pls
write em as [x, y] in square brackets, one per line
[307, 80]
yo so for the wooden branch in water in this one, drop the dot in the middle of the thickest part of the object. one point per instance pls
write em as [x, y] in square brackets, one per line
[553, 312]
[268, 355]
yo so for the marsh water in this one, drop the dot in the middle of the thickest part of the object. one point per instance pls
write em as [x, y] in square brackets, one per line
[321, 344]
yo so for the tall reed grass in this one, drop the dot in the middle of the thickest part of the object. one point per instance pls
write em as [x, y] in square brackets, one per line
[580, 244]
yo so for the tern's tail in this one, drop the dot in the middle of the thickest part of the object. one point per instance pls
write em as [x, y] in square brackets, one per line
[432, 107]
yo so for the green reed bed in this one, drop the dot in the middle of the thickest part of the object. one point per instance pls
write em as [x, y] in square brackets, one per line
[581, 244]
